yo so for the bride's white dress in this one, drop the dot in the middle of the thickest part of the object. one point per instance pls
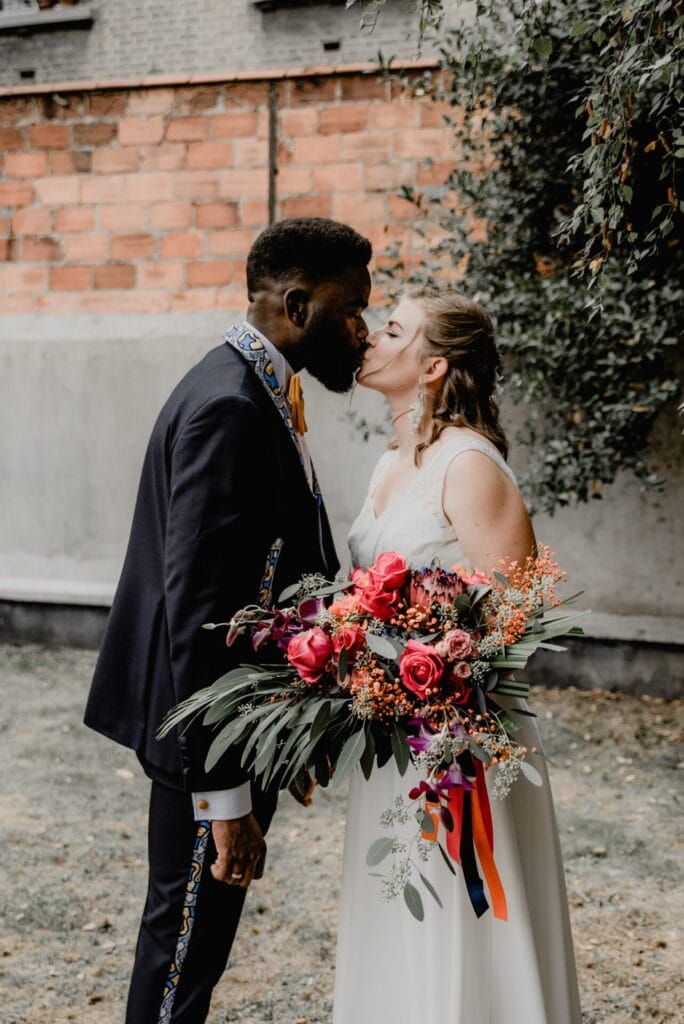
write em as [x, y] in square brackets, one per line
[451, 968]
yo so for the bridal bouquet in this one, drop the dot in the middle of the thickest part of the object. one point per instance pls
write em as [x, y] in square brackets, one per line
[403, 664]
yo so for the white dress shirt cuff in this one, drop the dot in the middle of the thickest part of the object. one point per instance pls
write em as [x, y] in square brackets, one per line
[222, 804]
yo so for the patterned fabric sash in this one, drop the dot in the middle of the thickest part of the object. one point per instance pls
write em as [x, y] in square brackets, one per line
[250, 346]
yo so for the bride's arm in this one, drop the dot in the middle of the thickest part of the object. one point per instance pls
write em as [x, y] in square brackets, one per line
[487, 512]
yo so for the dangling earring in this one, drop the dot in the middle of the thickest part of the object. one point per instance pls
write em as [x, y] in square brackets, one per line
[416, 411]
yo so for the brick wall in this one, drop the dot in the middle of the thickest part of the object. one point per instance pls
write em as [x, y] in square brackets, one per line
[147, 200]
[134, 38]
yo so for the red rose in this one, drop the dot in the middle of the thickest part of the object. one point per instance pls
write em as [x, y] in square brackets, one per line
[420, 667]
[309, 653]
[351, 639]
[380, 603]
[389, 571]
[454, 645]
[460, 691]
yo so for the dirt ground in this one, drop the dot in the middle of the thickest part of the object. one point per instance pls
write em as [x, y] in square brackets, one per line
[72, 826]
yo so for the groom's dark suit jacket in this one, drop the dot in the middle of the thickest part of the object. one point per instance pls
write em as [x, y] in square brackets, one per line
[221, 480]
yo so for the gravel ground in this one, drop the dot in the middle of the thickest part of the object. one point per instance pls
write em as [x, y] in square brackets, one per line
[72, 821]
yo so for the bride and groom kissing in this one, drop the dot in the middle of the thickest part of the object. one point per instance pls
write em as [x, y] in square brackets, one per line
[228, 484]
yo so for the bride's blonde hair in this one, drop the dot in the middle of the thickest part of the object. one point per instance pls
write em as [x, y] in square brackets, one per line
[458, 330]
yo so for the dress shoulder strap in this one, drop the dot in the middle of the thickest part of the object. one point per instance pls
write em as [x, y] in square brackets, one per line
[455, 446]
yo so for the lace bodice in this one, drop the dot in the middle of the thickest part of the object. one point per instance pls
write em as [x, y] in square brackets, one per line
[414, 524]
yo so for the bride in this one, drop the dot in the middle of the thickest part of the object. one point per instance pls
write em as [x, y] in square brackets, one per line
[444, 491]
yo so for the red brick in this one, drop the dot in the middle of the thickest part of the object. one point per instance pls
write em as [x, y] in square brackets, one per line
[359, 208]
[230, 243]
[368, 147]
[70, 108]
[164, 157]
[96, 134]
[306, 206]
[316, 150]
[196, 185]
[246, 94]
[49, 136]
[348, 117]
[26, 278]
[154, 100]
[238, 122]
[424, 142]
[313, 90]
[133, 247]
[40, 249]
[203, 97]
[74, 218]
[338, 178]
[251, 153]
[202, 275]
[32, 220]
[182, 244]
[232, 299]
[384, 177]
[104, 189]
[134, 131]
[118, 160]
[195, 300]
[254, 212]
[150, 186]
[363, 87]
[165, 216]
[435, 172]
[71, 161]
[402, 209]
[216, 215]
[122, 217]
[20, 108]
[300, 121]
[13, 304]
[210, 155]
[107, 104]
[433, 112]
[11, 138]
[25, 165]
[293, 180]
[160, 274]
[86, 247]
[18, 194]
[393, 115]
[71, 279]
[187, 129]
[115, 275]
[239, 184]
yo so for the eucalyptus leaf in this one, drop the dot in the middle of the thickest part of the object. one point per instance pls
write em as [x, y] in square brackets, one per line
[431, 889]
[379, 849]
[400, 748]
[446, 858]
[531, 773]
[383, 646]
[414, 901]
[349, 757]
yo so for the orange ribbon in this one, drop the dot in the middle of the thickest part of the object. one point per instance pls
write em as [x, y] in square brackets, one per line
[483, 838]
[296, 400]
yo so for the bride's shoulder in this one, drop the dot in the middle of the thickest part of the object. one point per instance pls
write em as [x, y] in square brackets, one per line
[462, 434]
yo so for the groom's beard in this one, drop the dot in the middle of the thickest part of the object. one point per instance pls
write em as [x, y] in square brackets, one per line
[327, 354]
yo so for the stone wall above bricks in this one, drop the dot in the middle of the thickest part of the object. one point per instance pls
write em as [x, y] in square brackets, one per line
[148, 200]
[134, 38]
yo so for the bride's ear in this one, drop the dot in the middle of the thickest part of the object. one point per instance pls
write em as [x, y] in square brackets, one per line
[435, 370]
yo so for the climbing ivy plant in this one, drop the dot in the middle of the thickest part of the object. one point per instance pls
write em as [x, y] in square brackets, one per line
[568, 145]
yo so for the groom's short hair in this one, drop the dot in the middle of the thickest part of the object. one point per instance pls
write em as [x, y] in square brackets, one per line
[312, 247]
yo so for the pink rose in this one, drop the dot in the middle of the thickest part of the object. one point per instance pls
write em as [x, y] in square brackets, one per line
[380, 603]
[389, 571]
[351, 639]
[309, 653]
[463, 670]
[420, 667]
[454, 645]
[476, 577]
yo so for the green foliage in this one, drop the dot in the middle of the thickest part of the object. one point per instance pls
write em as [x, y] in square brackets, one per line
[569, 144]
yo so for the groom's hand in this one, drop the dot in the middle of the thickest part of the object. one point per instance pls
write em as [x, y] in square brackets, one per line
[240, 851]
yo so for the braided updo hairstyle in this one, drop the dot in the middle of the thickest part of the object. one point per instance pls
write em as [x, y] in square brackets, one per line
[460, 331]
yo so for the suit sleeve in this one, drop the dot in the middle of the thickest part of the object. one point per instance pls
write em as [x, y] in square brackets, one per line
[217, 541]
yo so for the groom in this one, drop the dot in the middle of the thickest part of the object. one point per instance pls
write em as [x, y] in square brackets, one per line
[228, 512]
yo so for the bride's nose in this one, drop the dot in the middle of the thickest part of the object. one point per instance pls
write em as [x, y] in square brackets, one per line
[371, 339]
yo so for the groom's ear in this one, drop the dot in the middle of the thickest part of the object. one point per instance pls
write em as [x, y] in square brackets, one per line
[296, 303]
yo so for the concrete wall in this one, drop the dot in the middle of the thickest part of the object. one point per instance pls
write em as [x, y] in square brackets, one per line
[134, 38]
